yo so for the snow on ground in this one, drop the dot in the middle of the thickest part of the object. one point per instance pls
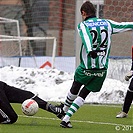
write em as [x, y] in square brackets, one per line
[53, 85]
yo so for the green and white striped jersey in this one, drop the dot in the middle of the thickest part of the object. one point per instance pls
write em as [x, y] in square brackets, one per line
[96, 35]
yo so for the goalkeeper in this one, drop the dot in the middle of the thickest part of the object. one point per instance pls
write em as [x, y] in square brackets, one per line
[129, 96]
[9, 94]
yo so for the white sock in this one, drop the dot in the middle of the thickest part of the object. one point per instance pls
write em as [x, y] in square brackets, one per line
[77, 103]
[69, 100]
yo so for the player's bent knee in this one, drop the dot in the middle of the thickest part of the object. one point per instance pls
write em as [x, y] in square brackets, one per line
[13, 119]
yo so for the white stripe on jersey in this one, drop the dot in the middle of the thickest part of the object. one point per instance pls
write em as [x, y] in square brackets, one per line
[101, 57]
[93, 61]
[84, 57]
[104, 60]
[120, 30]
[117, 30]
[120, 23]
[86, 37]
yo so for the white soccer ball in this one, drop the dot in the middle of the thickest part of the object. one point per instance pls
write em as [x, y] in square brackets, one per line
[30, 107]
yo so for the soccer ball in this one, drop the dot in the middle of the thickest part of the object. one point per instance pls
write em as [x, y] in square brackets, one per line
[30, 107]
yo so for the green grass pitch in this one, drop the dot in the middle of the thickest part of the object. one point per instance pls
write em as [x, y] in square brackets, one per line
[89, 119]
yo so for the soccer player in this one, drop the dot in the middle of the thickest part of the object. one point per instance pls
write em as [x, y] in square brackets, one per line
[10, 94]
[89, 76]
[129, 96]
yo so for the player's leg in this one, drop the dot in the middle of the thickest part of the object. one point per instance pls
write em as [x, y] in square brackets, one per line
[16, 95]
[77, 103]
[7, 114]
[75, 88]
[127, 102]
[72, 95]
[94, 84]
[128, 98]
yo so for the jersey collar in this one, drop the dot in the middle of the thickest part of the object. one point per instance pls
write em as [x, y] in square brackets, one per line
[93, 16]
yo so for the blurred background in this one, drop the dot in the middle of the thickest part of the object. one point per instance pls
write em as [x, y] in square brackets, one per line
[58, 19]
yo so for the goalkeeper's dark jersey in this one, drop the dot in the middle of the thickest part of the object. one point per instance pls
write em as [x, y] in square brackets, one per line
[96, 35]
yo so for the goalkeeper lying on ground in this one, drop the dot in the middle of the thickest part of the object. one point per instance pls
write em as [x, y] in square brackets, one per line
[129, 96]
[10, 94]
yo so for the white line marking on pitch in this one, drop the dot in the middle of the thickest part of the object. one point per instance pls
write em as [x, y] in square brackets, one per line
[91, 122]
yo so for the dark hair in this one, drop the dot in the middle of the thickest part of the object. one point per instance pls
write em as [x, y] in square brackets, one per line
[89, 8]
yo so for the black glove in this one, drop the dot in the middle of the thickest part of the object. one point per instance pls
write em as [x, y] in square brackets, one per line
[93, 54]
[129, 75]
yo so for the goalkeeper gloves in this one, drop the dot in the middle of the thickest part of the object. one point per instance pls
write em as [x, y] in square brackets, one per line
[128, 75]
[93, 54]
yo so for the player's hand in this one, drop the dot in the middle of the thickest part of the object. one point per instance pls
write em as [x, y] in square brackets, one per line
[128, 75]
[93, 54]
